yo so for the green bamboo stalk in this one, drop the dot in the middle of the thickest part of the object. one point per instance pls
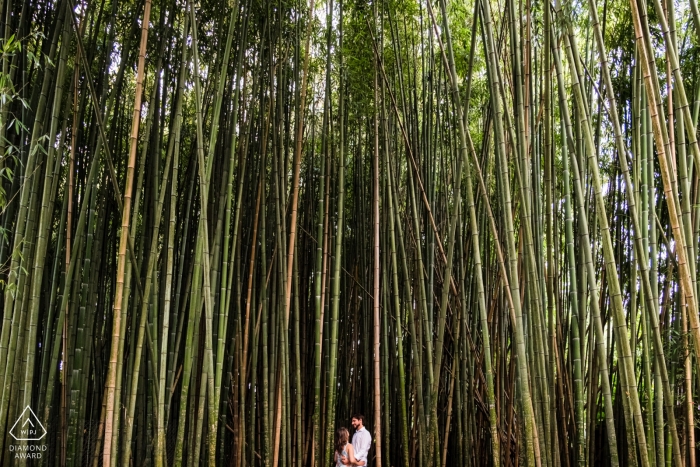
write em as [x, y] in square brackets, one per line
[600, 342]
[531, 436]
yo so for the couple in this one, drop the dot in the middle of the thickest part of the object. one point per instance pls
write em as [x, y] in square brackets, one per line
[347, 454]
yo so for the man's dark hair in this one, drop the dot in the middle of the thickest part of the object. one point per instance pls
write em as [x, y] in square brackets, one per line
[359, 417]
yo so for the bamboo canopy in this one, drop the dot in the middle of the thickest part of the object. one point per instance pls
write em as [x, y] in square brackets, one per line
[228, 227]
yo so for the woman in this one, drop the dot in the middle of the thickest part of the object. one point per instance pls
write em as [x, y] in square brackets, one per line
[343, 448]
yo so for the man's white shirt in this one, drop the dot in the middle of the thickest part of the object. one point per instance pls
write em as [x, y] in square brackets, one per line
[361, 442]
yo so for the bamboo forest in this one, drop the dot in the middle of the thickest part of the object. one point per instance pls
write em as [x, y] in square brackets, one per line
[229, 228]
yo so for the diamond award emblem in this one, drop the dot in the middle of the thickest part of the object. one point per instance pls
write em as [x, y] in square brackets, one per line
[28, 427]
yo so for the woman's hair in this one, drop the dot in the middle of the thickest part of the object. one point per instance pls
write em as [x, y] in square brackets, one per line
[341, 438]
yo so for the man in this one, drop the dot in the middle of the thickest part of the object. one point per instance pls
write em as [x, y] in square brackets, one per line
[361, 441]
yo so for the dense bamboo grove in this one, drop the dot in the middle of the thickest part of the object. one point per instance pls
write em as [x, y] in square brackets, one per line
[229, 225]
